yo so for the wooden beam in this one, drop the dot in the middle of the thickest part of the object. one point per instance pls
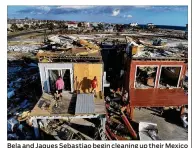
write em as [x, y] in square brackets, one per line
[129, 127]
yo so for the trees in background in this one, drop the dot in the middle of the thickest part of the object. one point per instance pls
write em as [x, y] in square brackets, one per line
[26, 26]
[14, 27]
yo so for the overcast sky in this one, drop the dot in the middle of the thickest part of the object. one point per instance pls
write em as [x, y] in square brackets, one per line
[159, 15]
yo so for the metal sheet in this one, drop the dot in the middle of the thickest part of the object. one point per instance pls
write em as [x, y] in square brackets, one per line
[85, 104]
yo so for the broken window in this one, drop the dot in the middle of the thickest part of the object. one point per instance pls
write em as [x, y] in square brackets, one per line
[169, 77]
[145, 76]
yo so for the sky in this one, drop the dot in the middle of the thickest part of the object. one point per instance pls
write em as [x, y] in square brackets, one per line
[159, 15]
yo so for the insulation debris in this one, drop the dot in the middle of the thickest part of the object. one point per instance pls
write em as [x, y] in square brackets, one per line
[148, 131]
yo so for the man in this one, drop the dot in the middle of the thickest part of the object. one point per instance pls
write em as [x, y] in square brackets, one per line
[59, 86]
[94, 85]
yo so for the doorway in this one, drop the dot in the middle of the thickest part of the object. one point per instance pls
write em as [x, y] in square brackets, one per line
[53, 75]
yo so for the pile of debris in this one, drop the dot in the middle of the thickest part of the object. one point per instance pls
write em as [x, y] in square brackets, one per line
[118, 120]
[148, 52]
[71, 41]
[68, 130]
[23, 48]
[159, 49]
[21, 94]
[18, 130]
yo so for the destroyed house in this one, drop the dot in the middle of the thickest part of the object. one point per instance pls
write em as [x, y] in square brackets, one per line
[77, 71]
[154, 77]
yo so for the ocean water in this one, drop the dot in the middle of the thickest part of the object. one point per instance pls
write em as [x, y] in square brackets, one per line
[167, 27]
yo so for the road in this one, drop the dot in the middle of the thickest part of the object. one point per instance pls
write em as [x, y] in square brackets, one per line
[9, 36]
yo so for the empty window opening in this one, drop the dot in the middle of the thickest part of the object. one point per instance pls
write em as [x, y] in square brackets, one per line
[169, 77]
[145, 77]
[54, 74]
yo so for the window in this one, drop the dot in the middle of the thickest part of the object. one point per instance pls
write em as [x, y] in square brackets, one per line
[169, 76]
[145, 76]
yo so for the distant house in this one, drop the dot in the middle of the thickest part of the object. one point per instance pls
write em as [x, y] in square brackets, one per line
[150, 25]
[87, 24]
[109, 29]
[71, 25]
[133, 24]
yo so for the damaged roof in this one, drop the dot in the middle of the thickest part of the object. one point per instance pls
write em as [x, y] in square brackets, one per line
[70, 49]
[150, 50]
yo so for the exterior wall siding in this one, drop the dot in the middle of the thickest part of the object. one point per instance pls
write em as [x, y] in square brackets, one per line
[155, 97]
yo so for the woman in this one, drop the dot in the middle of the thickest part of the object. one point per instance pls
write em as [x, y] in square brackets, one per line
[59, 86]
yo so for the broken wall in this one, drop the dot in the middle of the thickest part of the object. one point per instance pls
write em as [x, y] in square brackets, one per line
[159, 64]
[156, 97]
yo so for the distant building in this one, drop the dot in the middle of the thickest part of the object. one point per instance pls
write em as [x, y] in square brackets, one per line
[150, 25]
[133, 24]
[87, 24]
[109, 29]
[72, 25]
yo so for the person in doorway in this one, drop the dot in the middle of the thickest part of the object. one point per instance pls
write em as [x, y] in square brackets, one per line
[94, 85]
[59, 86]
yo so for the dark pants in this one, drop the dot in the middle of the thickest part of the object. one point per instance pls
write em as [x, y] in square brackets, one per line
[59, 91]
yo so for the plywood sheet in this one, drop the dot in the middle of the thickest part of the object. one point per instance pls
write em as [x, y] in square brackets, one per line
[84, 74]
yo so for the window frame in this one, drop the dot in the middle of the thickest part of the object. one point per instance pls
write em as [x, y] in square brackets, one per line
[181, 66]
[158, 68]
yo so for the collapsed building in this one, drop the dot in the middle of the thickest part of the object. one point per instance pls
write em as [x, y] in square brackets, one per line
[154, 77]
[130, 74]
[77, 66]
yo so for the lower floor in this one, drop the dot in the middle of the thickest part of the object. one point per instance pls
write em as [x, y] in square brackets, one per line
[67, 104]
[169, 126]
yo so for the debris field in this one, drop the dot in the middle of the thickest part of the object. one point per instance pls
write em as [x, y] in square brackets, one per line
[126, 65]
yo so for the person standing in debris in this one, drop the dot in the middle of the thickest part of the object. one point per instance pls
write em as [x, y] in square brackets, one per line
[59, 86]
[94, 85]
